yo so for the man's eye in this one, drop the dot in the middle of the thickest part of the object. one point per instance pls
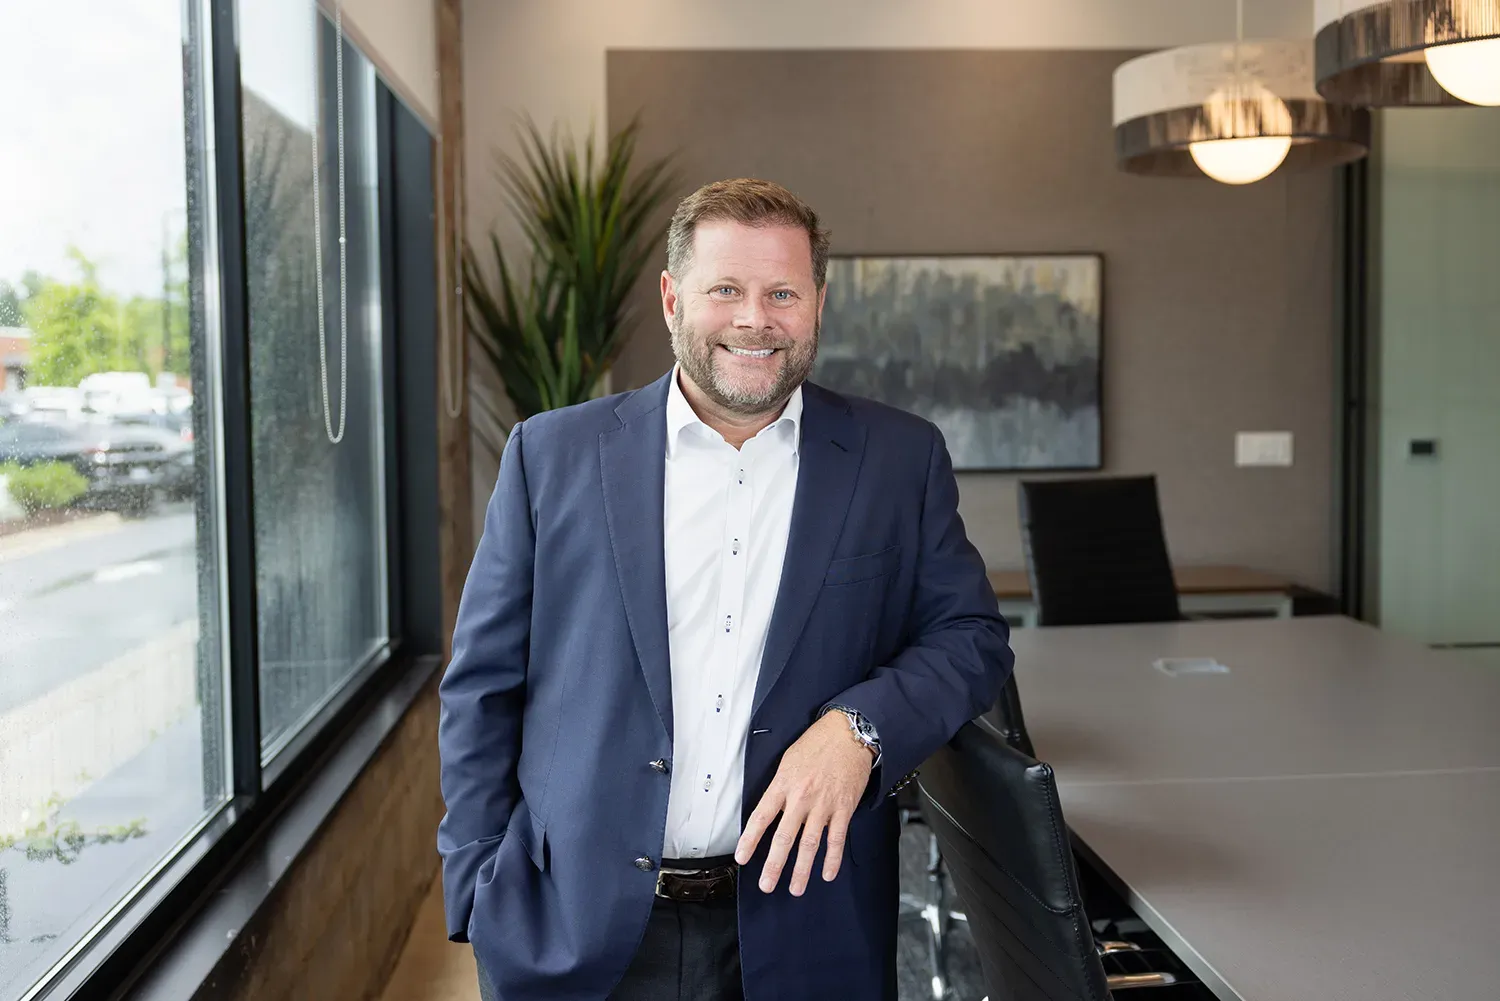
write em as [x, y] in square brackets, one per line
[725, 290]
[785, 295]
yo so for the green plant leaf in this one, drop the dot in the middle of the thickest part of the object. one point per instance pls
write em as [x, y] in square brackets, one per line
[588, 226]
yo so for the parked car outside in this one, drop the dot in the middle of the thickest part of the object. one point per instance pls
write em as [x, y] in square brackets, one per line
[129, 468]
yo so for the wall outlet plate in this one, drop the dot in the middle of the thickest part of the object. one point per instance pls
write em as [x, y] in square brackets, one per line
[1263, 448]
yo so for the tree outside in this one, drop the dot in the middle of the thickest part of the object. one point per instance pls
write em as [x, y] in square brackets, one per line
[79, 327]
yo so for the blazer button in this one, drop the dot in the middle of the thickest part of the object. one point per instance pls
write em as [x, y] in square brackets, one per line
[660, 765]
[644, 864]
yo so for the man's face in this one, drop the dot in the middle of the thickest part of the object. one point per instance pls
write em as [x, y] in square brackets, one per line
[745, 316]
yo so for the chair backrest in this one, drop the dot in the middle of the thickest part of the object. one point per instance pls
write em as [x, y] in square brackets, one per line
[1005, 718]
[1096, 552]
[997, 819]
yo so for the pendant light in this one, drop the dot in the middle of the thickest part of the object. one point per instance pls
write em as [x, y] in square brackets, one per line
[1233, 111]
[1410, 53]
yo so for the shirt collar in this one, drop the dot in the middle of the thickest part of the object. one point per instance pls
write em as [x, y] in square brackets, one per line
[680, 415]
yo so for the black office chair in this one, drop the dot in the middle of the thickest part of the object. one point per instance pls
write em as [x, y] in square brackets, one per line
[1096, 552]
[996, 814]
[1006, 721]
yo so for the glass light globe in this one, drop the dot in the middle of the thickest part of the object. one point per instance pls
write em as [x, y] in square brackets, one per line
[1240, 161]
[1470, 71]
[1244, 133]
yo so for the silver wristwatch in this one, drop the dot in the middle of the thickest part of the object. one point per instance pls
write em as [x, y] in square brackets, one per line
[864, 730]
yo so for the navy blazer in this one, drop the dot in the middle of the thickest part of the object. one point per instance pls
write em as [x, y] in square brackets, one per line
[558, 696]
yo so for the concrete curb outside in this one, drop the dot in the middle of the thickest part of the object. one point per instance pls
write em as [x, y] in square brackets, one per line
[37, 540]
[76, 734]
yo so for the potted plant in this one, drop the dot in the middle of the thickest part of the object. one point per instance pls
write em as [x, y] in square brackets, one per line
[551, 328]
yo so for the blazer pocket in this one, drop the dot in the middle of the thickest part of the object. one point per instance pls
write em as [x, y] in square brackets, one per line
[533, 835]
[862, 846]
[858, 568]
[489, 849]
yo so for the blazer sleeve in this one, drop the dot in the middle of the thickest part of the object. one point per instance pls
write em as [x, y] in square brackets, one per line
[958, 657]
[482, 693]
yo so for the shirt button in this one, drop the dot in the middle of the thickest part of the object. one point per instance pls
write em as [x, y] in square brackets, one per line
[644, 864]
[660, 765]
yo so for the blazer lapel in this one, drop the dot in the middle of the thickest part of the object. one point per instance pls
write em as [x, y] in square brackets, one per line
[632, 461]
[828, 465]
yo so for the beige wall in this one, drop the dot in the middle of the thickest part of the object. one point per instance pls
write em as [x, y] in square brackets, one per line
[546, 57]
[1218, 301]
[400, 37]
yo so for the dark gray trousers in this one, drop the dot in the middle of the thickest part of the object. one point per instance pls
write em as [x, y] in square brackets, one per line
[691, 952]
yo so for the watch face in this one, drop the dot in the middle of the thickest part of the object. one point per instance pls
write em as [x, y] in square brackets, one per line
[864, 729]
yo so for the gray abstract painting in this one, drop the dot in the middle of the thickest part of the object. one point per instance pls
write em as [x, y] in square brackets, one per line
[1000, 352]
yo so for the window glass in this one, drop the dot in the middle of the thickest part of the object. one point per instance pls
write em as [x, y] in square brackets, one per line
[112, 700]
[317, 425]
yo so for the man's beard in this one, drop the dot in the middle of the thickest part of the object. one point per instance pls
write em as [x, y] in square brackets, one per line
[699, 359]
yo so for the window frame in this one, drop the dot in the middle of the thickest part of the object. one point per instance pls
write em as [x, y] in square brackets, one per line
[167, 935]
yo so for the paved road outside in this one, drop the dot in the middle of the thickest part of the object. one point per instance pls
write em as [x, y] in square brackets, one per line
[67, 610]
[48, 906]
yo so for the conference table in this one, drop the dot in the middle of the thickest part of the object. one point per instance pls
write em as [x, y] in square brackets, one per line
[1301, 808]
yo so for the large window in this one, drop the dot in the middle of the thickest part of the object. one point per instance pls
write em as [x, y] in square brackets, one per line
[197, 507]
[317, 446]
[112, 747]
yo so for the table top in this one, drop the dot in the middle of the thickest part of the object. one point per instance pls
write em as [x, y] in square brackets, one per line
[1318, 822]
[1370, 888]
[1303, 696]
[1014, 584]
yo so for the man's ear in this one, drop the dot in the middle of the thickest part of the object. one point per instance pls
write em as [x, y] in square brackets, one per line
[668, 298]
[822, 298]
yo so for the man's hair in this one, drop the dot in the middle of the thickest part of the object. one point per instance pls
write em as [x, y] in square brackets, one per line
[745, 200]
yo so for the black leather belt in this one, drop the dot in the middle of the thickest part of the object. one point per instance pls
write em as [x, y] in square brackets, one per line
[697, 880]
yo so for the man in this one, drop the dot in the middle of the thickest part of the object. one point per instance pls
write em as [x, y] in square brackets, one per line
[711, 626]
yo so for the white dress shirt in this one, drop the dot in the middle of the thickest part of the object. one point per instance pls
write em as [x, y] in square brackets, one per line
[726, 515]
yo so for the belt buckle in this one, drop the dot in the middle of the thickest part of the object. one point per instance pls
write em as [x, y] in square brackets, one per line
[694, 893]
[661, 876]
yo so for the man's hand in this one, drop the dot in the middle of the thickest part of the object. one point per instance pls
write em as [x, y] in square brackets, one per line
[819, 783]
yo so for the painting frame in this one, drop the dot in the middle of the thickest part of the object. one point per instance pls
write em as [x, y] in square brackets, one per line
[1095, 385]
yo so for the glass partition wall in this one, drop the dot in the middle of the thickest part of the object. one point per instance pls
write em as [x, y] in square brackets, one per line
[1434, 483]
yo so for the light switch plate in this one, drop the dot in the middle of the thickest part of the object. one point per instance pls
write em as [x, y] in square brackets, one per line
[1263, 448]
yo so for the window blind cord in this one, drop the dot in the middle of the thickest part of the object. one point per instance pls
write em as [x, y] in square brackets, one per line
[338, 60]
[460, 319]
[450, 331]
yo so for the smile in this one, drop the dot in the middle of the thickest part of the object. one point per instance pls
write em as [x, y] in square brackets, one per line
[750, 352]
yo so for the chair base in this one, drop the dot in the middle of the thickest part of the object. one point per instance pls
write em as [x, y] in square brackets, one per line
[935, 915]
